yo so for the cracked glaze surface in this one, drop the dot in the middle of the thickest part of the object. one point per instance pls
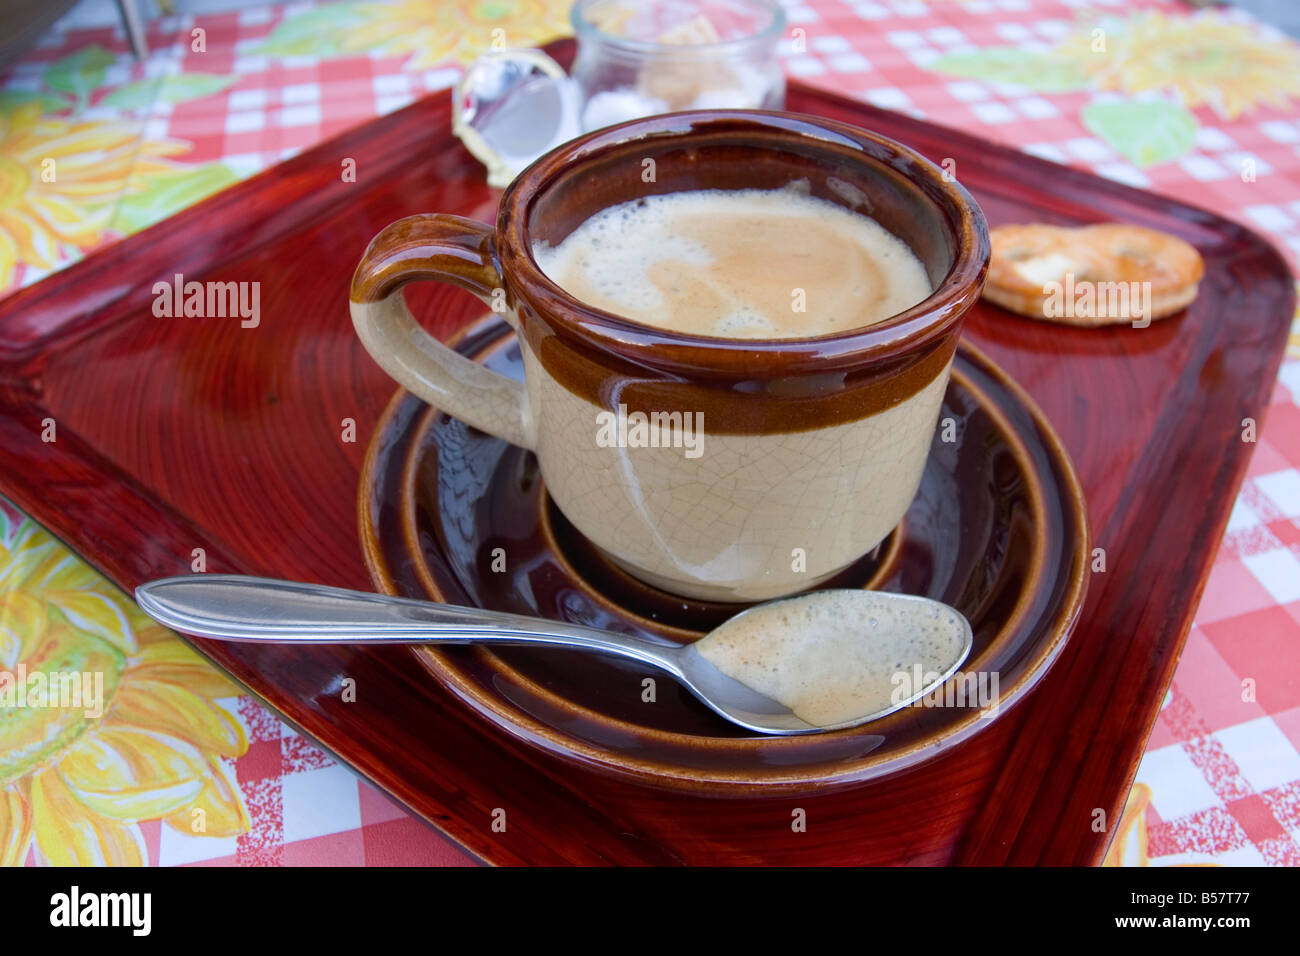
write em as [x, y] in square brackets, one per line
[754, 516]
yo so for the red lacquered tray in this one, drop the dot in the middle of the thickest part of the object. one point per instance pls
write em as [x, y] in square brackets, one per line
[176, 434]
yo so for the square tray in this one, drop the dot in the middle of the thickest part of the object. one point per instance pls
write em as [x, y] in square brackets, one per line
[184, 433]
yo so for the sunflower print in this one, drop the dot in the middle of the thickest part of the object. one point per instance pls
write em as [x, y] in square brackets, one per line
[433, 34]
[60, 179]
[1208, 59]
[75, 783]
[1129, 846]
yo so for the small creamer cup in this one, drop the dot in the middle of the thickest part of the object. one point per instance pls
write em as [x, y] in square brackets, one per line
[801, 455]
[634, 59]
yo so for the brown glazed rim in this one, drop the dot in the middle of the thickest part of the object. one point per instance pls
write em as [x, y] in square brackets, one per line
[721, 781]
[679, 353]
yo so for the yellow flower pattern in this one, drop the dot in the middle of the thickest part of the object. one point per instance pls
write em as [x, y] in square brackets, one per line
[1208, 59]
[1129, 846]
[433, 34]
[74, 783]
[59, 179]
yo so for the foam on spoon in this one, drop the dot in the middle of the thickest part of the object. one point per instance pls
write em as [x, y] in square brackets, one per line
[835, 657]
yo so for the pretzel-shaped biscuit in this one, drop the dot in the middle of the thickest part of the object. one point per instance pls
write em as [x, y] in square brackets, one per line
[1034, 266]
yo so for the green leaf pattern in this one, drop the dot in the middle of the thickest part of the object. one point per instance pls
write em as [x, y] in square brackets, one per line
[320, 32]
[80, 72]
[1145, 131]
[178, 88]
[1005, 64]
[164, 195]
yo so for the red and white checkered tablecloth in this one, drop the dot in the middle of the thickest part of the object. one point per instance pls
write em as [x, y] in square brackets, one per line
[1220, 780]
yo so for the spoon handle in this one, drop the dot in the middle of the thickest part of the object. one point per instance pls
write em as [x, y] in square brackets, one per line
[233, 607]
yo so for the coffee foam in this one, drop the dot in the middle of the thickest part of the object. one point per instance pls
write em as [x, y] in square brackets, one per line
[727, 263]
[833, 657]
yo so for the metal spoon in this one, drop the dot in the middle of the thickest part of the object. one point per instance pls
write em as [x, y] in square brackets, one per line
[263, 610]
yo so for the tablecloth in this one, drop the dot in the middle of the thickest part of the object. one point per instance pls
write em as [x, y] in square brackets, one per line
[180, 768]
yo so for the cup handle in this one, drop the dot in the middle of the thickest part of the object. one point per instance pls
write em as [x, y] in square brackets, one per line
[448, 249]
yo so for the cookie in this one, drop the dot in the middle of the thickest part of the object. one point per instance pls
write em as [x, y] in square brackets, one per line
[1091, 275]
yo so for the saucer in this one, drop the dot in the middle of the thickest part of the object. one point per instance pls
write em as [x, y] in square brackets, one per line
[998, 529]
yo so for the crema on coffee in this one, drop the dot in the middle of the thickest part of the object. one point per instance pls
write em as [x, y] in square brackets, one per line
[744, 263]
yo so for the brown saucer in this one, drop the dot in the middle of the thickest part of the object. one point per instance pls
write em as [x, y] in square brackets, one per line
[998, 530]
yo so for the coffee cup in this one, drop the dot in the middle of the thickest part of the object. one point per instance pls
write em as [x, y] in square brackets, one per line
[717, 468]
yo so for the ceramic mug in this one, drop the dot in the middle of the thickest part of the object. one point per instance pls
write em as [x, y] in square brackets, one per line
[809, 450]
